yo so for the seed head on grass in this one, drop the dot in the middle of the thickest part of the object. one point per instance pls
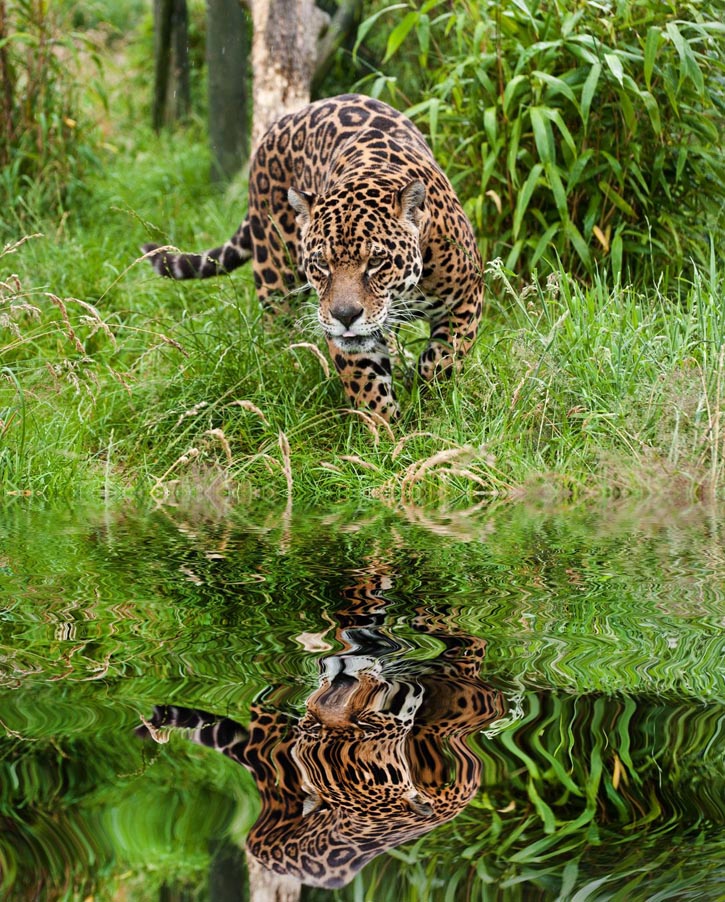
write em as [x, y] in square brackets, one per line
[252, 408]
[317, 353]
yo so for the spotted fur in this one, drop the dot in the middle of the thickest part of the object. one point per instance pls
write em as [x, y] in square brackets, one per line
[379, 757]
[347, 195]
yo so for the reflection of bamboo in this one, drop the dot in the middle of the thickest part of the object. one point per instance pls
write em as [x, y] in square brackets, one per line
[267, 886]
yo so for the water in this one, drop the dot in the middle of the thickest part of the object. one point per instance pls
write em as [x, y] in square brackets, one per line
[515, 704]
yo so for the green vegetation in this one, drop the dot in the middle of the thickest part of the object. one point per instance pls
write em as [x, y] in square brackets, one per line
[607, 767]
[115, 383]
[588, 132]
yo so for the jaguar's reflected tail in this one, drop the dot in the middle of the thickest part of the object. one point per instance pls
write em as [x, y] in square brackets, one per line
[220, 733]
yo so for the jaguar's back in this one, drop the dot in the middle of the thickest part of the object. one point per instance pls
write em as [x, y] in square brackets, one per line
[347, 195]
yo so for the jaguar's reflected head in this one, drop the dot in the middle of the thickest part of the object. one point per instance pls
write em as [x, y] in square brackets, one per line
[360, 250]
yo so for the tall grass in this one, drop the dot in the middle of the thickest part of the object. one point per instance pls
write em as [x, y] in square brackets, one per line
[585, 131]
[48, 140]
[600, 389]
[115, 382]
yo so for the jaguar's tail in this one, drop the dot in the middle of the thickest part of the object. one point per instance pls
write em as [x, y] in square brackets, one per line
[220, 733]
[214, 262]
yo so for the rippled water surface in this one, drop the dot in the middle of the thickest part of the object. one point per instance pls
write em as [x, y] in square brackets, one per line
[410, 706]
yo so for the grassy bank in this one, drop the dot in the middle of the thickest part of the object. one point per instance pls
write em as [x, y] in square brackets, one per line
[116, 383]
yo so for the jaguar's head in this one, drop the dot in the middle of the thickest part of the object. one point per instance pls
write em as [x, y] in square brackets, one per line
[360, 250]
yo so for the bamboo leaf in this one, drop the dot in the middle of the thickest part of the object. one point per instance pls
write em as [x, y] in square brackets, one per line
[490, 124]
[510, 91]
[524, 196]
[543, 135]
[580, 245]
[619, 202]
[653, 111]
[543, 243]
[557, 85]
[651, 46]
[400, 33]
[578, 169]
[557, 189]
[590, 86]
[513, 152]
[615, 66]
[371, 20]
[558, 120]
[542, 809]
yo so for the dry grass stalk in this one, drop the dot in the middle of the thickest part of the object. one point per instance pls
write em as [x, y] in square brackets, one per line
[94, 320]
[72, 337]
[286, 463]
[382, 423]
[517, 391]
[186, 458]
[326, 465]
[173, 343]
[192, 411]
[368, 421]
[373, 422]
[316, 351]
[119, 378]
[248, 405]
[223, 441]
[14, 245]
[411, 435]
[714, 416]
[465, 474]
[354, 459]
[417, 470]
[158, 734]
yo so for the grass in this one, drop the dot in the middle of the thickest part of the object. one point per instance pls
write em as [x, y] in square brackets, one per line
[117, 383]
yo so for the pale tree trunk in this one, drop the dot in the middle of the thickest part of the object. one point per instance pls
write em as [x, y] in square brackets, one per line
[284, 57]
[266, 886]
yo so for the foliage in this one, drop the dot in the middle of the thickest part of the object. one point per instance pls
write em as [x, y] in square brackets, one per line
[609, 758]
[48, 141]
[580, 130]
[113, 381]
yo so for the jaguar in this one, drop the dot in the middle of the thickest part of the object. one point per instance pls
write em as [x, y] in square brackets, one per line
[379, 756]
[346, 198]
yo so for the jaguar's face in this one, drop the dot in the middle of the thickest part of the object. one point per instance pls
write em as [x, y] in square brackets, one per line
[360, 251]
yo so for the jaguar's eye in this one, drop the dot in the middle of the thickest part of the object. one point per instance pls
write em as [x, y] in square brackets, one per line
[375, 262]
[319, 263]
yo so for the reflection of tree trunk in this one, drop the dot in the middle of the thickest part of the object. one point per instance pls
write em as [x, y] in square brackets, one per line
[266, 886]
[227, 54]
[171, 84]
[226, 876]
[284, 56]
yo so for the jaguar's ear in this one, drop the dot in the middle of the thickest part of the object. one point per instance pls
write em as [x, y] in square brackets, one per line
[411, 200]
[301, 202]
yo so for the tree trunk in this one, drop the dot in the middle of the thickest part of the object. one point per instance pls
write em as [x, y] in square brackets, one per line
[284, 57]
[227, 56]
[7, 85]
[171, 84]
[342, 25]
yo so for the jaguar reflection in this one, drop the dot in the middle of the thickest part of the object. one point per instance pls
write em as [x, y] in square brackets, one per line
[379, 756]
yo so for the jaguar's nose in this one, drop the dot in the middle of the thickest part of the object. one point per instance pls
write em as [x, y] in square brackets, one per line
[346, 312]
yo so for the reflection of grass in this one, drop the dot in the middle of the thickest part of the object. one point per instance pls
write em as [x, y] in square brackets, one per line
[93, 814]
[612, 751]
